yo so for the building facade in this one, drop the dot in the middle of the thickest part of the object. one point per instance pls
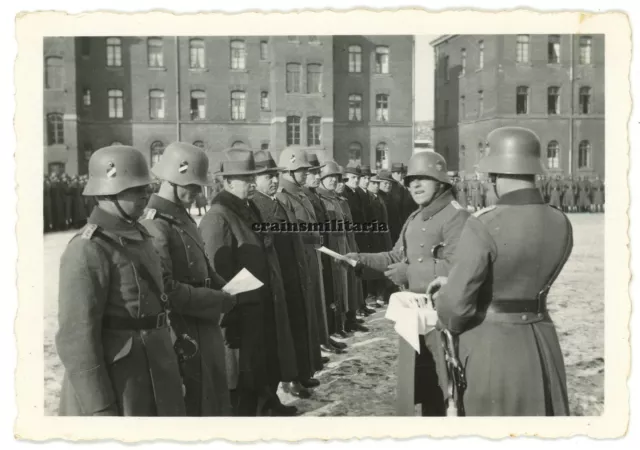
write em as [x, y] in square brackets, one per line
[551, 84]
[345, 97]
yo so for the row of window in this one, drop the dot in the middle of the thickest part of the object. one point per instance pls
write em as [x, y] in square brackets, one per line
[238, 104]
[523, 102]
[237, 53]
[553, 154]
[523, 53]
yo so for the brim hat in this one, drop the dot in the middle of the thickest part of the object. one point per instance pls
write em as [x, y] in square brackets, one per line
[265, 162]
[237, 162]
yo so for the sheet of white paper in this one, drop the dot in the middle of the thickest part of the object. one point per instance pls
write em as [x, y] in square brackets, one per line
[337, 256]
[244, 281]
[411, 321]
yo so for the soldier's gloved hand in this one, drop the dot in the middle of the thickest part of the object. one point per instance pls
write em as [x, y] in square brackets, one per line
[434, 288]
[111, 410]
[397, 272]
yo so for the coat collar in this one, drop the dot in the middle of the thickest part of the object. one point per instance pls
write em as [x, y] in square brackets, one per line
[175, 211]
[246, 210]
[437, 205]
[117, 226]
[291, 187]
[327, 193]
[529, 196]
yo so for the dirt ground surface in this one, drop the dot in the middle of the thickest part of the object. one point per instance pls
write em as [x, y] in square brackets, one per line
[362, 382]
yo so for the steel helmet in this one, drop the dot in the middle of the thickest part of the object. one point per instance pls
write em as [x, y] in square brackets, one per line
[183, 164]
[427, 164]
[330, 168]
[514, 151]
[294, 158]
[115, 169]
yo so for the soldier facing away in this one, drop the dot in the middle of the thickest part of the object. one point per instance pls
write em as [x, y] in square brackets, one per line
[192, 286]
[114, 340]
[494, 300]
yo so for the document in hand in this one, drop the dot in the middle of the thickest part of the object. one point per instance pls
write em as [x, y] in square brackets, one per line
[413, 316]
[337, 256]
[244, 281]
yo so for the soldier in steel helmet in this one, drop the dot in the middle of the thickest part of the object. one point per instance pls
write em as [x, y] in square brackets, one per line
[494, 300]
[423, 252]
[114, 339]
[193, 288]
[295, 163]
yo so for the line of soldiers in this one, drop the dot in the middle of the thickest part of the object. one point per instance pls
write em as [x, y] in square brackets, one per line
[573, 193]
[145, 327]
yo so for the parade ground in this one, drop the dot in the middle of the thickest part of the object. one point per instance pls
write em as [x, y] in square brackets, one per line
[362, 381]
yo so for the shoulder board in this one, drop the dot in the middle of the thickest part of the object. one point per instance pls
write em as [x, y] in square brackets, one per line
[456, 205]
[484, 210]
[89, 230]
[151, 214]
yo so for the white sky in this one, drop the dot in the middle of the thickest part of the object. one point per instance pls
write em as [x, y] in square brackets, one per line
[424, 77]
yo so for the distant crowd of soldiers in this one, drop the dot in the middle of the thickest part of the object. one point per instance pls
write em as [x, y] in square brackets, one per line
[569, 193]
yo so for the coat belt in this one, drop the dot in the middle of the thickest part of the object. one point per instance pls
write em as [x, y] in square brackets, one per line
[517, 306]
[206, 283]
[133, 323]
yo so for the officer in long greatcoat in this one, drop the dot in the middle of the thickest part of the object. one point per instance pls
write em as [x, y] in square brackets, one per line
[295, 273]
[423, 252]
[554, 192]
[193, 288]
[394, 211]
[380, 240]
[295, 163]
[494, 302]
[114, 340]
[259, 347]
[584, 194]
[475, 193]
[568, 197]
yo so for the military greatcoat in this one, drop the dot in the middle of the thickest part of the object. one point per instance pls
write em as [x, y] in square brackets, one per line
[495, 300]
[196, 303]
[320, 284]
[441, 222]
[111, 370]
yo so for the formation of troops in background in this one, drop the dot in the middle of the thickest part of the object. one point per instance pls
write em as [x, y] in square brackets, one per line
[146, 328]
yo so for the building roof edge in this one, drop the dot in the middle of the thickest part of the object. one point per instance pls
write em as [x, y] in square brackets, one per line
[441, 39]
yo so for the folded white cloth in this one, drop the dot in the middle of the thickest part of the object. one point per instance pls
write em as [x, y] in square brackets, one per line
[410, 319]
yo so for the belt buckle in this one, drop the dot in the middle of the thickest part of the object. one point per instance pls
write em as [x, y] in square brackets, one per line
[161, 320]
[207, 282]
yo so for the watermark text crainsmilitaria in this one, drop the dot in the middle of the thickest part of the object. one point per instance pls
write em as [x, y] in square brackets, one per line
[328, 226]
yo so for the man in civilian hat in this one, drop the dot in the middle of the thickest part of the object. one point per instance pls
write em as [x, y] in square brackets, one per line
[494, 300]
[368, 217]
[351, 193]
[114, 339]
[192, 286]
[381, 240]
[423, 252]
[259, 347]
[295, 164]
[400, 193]
[393, 220]
[295, 277]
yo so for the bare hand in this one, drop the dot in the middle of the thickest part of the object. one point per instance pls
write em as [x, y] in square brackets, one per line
[434, 287]
[397, 273]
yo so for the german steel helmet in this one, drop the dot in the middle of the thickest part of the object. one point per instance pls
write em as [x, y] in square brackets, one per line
[331, 168]
[294, 158]
[115, 169]
[427, 164]
[514, 151]
[183, 164]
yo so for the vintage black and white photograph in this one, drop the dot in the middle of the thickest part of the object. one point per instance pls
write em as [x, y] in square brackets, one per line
[324, 225]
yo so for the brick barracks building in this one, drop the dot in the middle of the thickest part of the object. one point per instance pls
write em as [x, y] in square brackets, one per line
[347, 97]
[552, 84]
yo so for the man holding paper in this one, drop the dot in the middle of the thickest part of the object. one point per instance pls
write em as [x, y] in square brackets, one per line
[259, 346]
[423, 252]
[191, 284]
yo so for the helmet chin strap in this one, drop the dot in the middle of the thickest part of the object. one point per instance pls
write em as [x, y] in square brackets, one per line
[127, 218]
[175, 196]
[493, 177]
